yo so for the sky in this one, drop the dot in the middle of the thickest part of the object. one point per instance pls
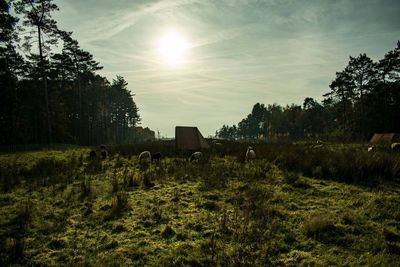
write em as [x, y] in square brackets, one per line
[238, 52]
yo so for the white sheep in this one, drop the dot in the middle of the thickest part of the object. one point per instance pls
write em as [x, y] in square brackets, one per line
[250, 154]
[196, 157]
[371, 148]
[395, 147]
[145, 156]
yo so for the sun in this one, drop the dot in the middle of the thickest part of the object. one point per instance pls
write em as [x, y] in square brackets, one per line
[172, 48]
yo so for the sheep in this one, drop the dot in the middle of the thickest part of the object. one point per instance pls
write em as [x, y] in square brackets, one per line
[395, 147]
[371, 148]
[92, 155]
[196, 157]
[250, 154]
[104, 154]
[218, 148]
[145, 156]
[157, 156]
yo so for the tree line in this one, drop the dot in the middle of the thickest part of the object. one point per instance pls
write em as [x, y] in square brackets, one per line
[50, 91]
[364, 98]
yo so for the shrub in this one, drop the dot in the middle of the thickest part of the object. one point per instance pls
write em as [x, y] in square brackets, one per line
[146, 179]
[93, 166]
[118, 161]
[114, 184]
[291, 177]
[9, 177]
[318, 224]
[86, 188]
[167, 232]
[120, 203]
[14, 247]
[130, 180]
[24, 214]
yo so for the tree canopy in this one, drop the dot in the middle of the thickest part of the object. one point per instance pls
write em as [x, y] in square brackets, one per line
[52, 92]
[364, 98]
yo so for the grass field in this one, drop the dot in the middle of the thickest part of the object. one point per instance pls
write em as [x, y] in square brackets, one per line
[294, 206]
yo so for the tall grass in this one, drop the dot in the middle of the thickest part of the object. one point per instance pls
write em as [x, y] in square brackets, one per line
[44, 171]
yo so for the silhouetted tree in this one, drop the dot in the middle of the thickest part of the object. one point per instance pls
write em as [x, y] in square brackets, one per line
[11, 64]
[37, 16]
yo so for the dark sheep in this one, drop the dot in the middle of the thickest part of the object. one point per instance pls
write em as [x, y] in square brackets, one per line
[103, 154]
[219, 149]
[92, 155]
[196, 157]
[157, 156]
[395, 147]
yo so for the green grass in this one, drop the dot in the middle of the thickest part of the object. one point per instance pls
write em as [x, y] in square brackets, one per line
[59, 208]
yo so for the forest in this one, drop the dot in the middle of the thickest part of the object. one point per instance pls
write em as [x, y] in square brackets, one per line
[50, 89]
[51, 93]
[364, 98]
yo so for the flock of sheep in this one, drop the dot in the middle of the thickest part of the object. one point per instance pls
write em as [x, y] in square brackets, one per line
[198, 156]
[146, 156]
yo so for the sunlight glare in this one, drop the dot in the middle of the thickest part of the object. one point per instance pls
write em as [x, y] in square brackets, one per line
[172, 48]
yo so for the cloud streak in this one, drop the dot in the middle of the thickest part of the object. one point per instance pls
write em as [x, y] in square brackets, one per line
[98, 30]
[241, 52]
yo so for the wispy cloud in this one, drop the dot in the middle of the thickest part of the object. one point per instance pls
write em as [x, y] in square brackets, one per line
[105, 27]
[241, 51]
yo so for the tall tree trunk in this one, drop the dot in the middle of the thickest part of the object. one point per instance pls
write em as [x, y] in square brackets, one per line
[80, 131]
[44, 77]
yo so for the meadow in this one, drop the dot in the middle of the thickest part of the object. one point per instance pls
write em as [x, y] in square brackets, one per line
[296, 205]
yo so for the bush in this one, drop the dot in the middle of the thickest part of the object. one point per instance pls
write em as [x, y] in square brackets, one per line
[120, 203]
[93, 166]
[14, 247]
[318, 224]
[167, 232]
[9, 177]
[291, 177]
[146, 179]
[114, 184]
[25, 213]
[86, 188]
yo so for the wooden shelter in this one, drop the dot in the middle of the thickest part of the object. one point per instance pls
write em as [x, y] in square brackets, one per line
[385, 138]
[189, 138]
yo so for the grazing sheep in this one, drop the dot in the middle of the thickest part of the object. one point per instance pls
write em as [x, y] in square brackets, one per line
[218, 148]
[196, 157]
[395, 147]
[92, 155]
[371, 148]
[250, 154]
[157, 156]
[145, 156]
[104, 154]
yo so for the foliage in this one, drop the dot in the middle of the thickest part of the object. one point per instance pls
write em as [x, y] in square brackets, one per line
[222, 212]
[53, 94]
[364, 99]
